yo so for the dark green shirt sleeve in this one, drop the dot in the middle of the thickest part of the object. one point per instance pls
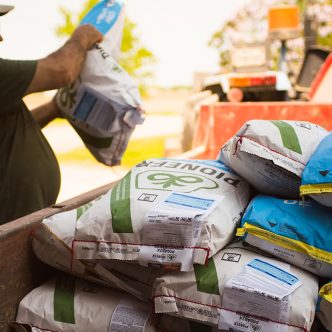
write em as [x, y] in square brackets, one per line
[15, 78]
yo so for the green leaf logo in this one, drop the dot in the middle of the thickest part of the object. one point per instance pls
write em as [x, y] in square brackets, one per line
[173, 181]
[168, 180]
[67, 96]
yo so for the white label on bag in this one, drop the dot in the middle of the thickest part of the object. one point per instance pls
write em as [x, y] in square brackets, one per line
[171, 229]
[129, 317]
[261, 289]
[95, 110]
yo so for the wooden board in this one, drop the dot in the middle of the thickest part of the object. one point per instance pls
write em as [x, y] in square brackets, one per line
[20, 271]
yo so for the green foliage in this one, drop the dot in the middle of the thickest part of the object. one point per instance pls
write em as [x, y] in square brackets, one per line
[134, 58]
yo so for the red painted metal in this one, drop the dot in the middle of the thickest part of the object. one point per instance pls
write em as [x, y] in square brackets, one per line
[219, 122]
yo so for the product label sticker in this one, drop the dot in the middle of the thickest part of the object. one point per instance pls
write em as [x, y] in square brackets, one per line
[261, 289]
[172, 228]
[129, 317]
[96, 110]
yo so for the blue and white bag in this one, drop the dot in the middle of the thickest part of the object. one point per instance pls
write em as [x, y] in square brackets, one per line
[299, 232]
[103, 104]
[317, 176]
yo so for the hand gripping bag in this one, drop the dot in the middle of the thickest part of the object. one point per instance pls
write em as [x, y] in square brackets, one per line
[317, 175]
[166, 213]
[108, 17]
[65, 304]
[297, 231]
[271, 155]
[324, 306]
[52, 244]
[103, 104]
[200, 295]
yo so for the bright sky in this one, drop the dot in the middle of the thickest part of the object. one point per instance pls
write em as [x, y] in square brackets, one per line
[176, 31]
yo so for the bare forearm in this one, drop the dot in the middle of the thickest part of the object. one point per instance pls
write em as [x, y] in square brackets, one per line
[59, 68]
[63, 66]
[45, 113]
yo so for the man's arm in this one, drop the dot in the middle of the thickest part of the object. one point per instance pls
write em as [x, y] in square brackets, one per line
[63, 66]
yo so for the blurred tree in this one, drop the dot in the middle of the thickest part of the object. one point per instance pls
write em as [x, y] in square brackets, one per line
[134, 57]
[250, 25]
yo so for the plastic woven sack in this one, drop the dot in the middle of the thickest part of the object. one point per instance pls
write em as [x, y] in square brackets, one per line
[166, 213]
[103, 104]
[271, 155]
[317, 176]
[200, 295]
[65, 304]
[297, 231]
[52, 244]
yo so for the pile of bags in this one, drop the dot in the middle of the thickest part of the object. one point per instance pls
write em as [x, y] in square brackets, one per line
[240, 243]
[190, 245]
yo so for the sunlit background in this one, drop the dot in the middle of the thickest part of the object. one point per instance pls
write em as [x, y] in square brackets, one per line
[176, 32]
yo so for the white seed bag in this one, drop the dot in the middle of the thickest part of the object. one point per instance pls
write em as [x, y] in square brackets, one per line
[52, 243]
[165, 213]
[324, 307]
[206, 294]
[103, 104]
[271, 155]
[68, 305]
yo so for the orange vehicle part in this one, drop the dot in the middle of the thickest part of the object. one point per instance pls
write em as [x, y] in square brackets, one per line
[282, 17]
[219, 122]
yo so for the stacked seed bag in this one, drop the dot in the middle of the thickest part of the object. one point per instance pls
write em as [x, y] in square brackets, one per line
[235, 292]
[66, 304]
[166, 234]
[286, 159]
[165, 214]
[271, 155]
[299, 232]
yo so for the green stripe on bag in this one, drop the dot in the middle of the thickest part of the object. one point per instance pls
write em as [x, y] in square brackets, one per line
[63, 303]
[288, 136]
[82, 209]
[120, 206]
[207, 278]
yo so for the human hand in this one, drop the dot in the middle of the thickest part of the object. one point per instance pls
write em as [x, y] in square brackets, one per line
[87, 35]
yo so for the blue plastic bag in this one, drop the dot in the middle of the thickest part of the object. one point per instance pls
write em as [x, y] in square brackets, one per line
[317, 176]
[296, 231]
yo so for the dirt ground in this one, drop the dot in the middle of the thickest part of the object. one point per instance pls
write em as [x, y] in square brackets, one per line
[164, 119]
